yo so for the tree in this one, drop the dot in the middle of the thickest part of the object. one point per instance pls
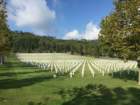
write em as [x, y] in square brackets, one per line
[4, 32]
[120, 31]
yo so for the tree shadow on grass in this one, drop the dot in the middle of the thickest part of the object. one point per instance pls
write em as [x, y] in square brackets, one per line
[7, 69]
[126, 75]
[101, 95]
[15, 83]
[10, 65]
[6, 66]
[10, 74]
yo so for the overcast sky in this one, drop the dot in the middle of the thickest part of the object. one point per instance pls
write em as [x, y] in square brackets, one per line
[67, 19]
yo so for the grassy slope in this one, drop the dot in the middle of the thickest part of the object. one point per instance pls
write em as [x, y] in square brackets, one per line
[21, 84]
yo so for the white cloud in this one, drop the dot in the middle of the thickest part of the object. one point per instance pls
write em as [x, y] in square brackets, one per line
[91, 33]
[72, 35]
[34, 14]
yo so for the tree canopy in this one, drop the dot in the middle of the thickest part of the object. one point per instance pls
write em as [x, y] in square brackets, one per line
[120, 31]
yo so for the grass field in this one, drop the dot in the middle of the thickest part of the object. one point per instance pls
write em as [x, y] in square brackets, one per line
[22, 84]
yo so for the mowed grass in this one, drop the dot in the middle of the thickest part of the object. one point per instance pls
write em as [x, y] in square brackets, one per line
[22, 84]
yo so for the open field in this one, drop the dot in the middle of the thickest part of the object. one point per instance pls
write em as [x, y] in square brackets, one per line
[25, 84]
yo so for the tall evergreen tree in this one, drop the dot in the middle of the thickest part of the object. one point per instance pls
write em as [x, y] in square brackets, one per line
[4, 31]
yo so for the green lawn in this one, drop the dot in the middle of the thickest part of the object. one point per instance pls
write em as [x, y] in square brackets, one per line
[21, 84]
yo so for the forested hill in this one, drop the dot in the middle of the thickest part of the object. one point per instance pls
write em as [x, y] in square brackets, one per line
[28, 42]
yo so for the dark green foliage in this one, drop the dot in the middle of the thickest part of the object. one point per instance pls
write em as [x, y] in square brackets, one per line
[28, 42]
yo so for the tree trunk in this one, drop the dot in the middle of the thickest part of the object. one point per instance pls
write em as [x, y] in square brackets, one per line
[1, 59]
[138, 71]
[139, 77]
